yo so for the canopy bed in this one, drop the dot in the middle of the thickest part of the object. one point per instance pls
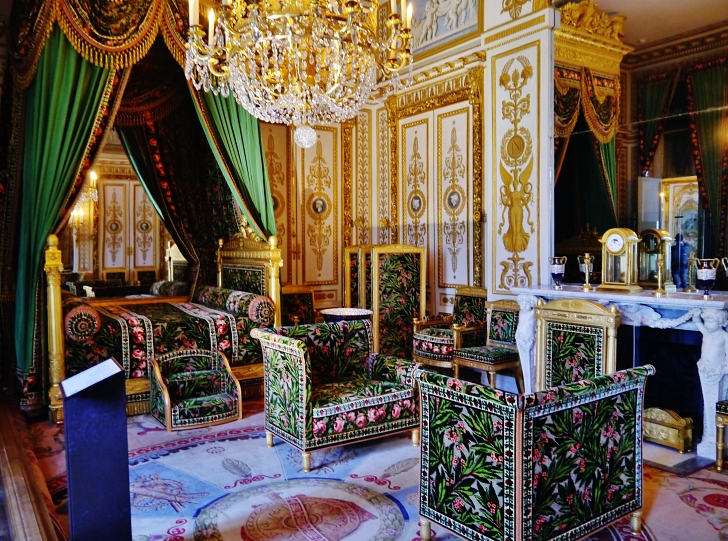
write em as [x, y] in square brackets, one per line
[134, 330]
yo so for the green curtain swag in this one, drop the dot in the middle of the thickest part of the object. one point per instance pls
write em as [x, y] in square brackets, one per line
[63, 103]
[607, 158]
[653, 101]
[707, 91]
[235, 139]
[131, 140]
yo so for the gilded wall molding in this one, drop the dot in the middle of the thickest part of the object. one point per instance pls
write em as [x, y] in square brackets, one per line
[384, 172]
[515, 29]
[363, 218]
[347, 168]
[467, 86]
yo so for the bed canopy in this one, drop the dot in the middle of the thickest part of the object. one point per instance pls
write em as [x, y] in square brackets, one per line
[78, 69]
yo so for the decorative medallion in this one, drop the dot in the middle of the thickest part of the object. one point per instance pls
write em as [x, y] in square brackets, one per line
[144, 230]
[318, 206]
[300, 510]
[114, 227]
[454, 199]
[416, 202]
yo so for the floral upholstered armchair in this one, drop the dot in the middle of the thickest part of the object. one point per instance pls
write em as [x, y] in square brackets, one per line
[325, 387]
[575, 339]
[557, 464]
[436, 338]
[192, 388]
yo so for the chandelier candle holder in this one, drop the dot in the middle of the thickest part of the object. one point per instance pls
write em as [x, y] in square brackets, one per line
[300, 62]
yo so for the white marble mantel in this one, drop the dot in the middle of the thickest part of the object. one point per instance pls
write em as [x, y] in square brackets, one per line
[673, 311]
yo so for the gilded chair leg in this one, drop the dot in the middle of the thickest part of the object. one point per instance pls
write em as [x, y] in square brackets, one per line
[635, 522]
[306, 461]
[424, 529]
[269, 439]
[491, 379]
[416, 437]
[456, 370]
[719, 442]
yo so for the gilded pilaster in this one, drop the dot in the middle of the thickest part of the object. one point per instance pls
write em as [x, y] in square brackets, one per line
[392, 118]
[347, 130]
[476, 77]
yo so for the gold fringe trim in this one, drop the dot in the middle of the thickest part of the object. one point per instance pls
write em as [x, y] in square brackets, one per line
[172, 38]
[115, 58]
[24, 72]
[138, 408]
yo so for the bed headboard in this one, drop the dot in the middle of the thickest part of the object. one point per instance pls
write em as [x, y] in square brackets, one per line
[249, 264]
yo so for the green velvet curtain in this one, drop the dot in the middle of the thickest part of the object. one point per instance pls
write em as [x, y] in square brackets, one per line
[653, 101]
[235, 139]
[707, 92]
[62, 106]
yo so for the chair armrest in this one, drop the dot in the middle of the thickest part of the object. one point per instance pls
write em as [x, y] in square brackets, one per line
[389, 368]
[432, 321]
[458, 331]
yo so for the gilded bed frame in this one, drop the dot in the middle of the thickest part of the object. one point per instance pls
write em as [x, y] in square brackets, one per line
[241, 249]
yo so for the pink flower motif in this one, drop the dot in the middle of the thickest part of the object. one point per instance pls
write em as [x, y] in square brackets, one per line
[361, 420]
[350, 416]
[338, 424]
[396, 410]
[458, 504]
[319, 427]
[373, 415]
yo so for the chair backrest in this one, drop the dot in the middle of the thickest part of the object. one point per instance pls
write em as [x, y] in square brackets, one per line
[189, 360]
[502, 323]
[336, 351]
[297, 301]
[575, 339]
[470, 306]
[398, 296]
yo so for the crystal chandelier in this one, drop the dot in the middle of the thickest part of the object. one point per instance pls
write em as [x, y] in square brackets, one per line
[300, 62]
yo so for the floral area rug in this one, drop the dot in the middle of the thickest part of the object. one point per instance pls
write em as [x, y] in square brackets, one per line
[223, 483]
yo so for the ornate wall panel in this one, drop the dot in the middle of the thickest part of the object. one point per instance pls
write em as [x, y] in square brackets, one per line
[145, 232]
[415, 172]
[501, 12]
[84, 237]
[320, 212]
[454, 197]
[363, 196]
[277, 143]
[520, 153]
[383, 177]
[114, 218]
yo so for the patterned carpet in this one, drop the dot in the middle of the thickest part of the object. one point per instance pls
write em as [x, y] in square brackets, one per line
[248, 492]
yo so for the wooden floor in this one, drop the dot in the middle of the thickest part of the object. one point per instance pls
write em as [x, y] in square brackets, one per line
[27, 516]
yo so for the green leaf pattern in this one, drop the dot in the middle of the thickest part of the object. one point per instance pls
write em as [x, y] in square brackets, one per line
[573, 352]
[399, 302]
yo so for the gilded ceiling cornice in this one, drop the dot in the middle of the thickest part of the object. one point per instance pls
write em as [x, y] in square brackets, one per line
[708, 40]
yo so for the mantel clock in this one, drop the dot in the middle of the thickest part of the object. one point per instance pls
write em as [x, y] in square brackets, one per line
[619, 260]
[654, 243]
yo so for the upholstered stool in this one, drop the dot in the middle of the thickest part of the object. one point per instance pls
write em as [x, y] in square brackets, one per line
[721, 419]
[433, 346]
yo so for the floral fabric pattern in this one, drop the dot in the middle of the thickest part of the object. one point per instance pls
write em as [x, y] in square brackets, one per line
[503, 325]
[299, 305]
[354, 278]
[399, 302]
[434, 343]
[323, 387]
[580, 444]
[165, 288]
[469, 310]
[487, 354]
[82, 322]
[237, 302]
[250, 278]
[573, 352]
